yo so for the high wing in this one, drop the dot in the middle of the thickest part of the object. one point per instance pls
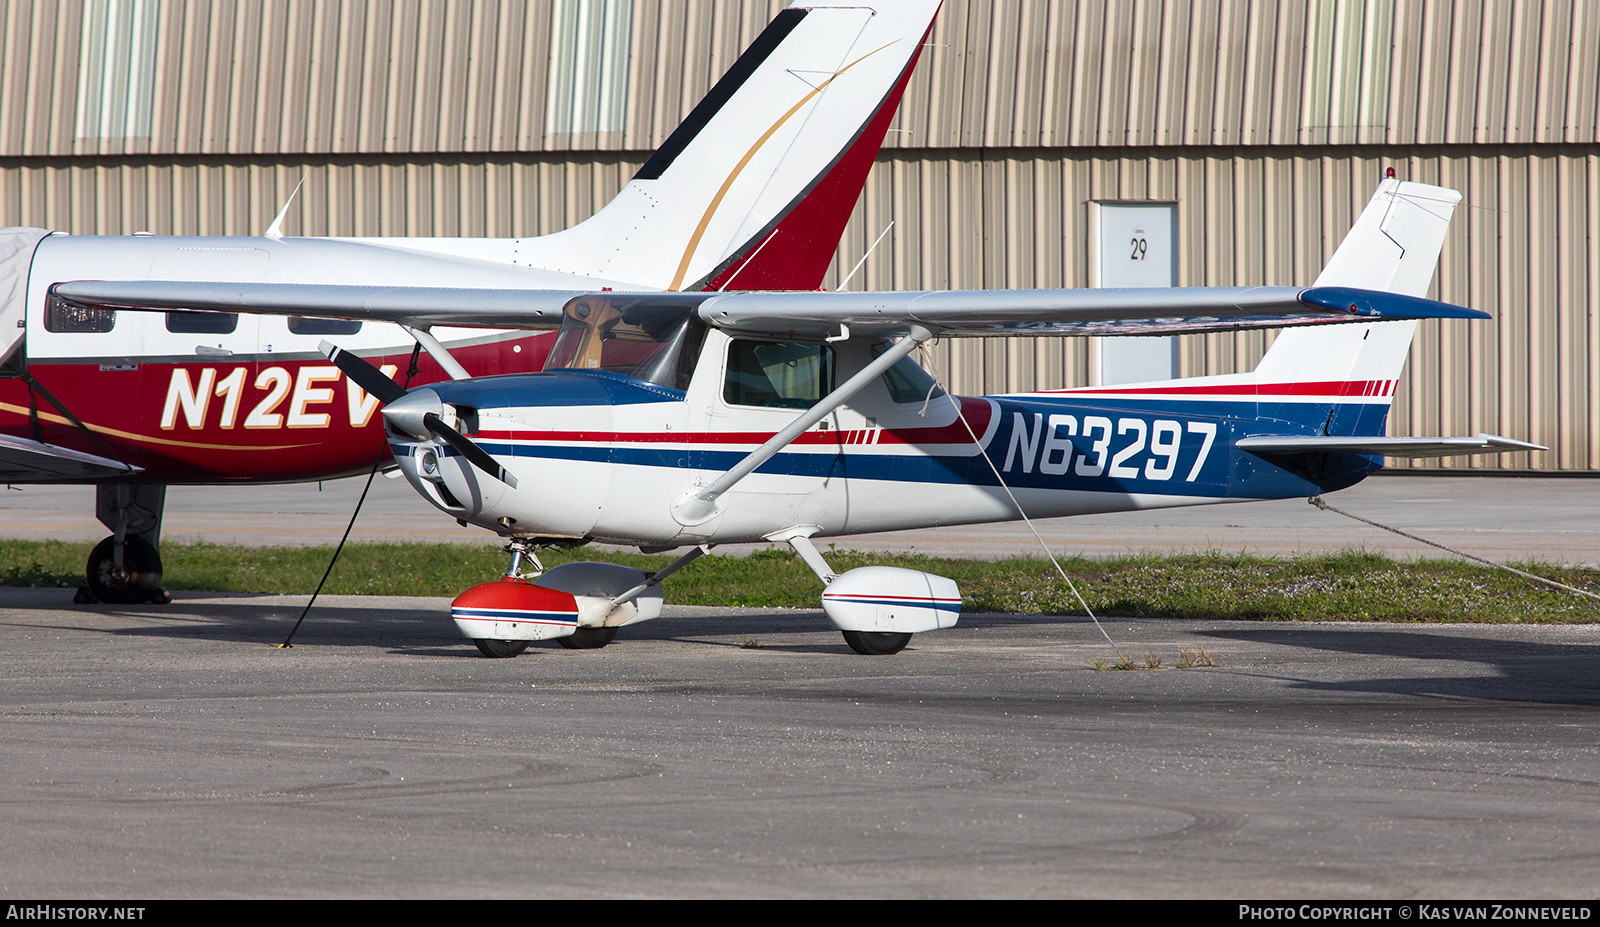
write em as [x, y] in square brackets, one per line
[409, 305]
[1379, 272]
[961, 312]
[1153, 311]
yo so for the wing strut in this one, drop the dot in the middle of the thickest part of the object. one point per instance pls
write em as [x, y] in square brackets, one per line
[437, 351]
[698, 506]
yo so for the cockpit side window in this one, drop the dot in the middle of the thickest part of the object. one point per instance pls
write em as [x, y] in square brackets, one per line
[776, 374]
[906, 381]
[301, 325]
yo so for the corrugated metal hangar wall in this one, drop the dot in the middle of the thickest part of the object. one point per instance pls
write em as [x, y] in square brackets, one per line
[1266, 122]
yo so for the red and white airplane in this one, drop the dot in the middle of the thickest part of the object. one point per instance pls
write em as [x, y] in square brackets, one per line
[752, 192]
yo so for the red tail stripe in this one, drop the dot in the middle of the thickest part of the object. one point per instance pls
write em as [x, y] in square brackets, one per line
[1318, 388]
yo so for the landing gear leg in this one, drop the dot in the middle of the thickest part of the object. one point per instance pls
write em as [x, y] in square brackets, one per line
[125, 568]
[877, 608]
[520, 550]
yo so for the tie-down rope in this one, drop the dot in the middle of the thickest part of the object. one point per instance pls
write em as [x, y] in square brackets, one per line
[1317, 501]
[939, 382]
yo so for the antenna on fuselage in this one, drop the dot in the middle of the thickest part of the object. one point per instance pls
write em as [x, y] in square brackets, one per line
[275, 230]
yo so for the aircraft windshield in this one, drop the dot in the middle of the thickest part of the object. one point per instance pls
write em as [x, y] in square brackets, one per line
[648, 338]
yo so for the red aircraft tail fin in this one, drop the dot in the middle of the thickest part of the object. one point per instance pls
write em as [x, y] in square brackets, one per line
[755, 188]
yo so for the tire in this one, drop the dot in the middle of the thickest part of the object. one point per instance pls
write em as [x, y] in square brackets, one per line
[588, 638]
[875, 643]
[141, 572]
[500, 649]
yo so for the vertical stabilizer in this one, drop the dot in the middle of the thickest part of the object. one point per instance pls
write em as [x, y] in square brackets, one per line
[1394, 246]
[790, 129]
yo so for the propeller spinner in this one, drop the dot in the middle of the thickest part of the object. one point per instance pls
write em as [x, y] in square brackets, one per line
[419, 412]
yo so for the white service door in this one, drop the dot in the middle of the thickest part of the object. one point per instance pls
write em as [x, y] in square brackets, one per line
[1136, 245]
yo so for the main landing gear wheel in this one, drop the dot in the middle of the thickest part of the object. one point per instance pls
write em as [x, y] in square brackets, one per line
[492, 648]
[138, 580]
[875, 643]
[587, 638]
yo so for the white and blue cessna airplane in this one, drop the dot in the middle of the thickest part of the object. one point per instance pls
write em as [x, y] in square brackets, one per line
[672, 419]
[673, 414]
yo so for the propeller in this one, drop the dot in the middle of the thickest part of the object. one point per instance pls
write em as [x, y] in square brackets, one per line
[363, 373]
[416, 412]
[474, 454]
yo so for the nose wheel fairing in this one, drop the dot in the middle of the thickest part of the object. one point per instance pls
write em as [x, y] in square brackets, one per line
[572, 603]
[511, 609]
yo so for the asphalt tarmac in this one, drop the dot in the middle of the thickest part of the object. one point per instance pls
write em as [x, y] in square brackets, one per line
[172, 752]
[1550, 519]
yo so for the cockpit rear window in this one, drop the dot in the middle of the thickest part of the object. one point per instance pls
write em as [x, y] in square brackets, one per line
[202, 323]
[906, 381]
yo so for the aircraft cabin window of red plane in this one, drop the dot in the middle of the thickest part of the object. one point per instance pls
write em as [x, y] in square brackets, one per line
[777, 375]
[202, 323]
[304, 326]
[62, 316]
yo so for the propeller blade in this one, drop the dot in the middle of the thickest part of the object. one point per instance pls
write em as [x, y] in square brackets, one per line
[474, 454]
[366, 376]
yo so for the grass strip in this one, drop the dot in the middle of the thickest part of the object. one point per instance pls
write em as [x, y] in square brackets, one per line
[1348, 586]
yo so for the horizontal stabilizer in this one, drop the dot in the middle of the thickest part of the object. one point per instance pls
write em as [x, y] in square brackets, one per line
[1386, 447]
[25, 461]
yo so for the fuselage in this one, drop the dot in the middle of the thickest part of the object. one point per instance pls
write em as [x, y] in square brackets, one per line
[208, 397]
[602, 455]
